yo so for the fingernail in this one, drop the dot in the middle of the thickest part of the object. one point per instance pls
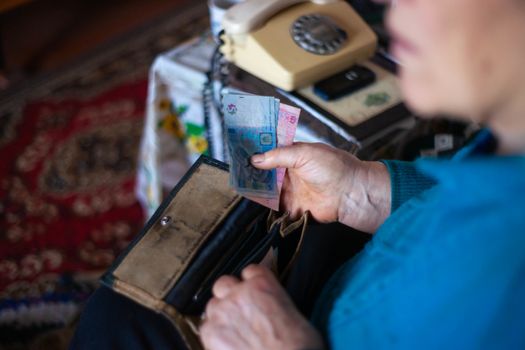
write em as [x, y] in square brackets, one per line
[257, 158]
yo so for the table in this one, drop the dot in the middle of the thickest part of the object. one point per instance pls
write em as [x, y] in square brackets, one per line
[175, 131]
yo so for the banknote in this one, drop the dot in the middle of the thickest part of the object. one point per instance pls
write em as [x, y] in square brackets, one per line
[250, 120]
[251, 128]
[286, 127]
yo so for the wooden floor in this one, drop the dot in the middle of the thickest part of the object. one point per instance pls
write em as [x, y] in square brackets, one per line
[43, 35]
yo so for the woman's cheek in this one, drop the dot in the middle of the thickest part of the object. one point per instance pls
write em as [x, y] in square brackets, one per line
[418, 91]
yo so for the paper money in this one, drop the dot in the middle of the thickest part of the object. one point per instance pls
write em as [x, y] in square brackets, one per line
[286, 127]
[251, 128]
[256, 124]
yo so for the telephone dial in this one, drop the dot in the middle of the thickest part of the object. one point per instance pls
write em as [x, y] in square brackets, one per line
[295, 43]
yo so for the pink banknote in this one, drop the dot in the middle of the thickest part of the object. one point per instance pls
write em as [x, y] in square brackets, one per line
[286, 127]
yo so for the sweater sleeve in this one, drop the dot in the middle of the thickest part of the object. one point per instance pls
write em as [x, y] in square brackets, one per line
[406, 181]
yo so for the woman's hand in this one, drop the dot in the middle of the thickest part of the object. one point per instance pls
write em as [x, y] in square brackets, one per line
[255, 313]
[332, 184]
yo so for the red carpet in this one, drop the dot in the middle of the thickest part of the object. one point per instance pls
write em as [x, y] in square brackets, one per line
[67, 188]
[68, 148]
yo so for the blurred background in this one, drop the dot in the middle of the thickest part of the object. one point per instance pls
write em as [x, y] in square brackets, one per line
[38, 36]
[73, 101]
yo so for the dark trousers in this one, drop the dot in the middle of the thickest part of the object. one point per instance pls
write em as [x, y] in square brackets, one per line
[111, 321]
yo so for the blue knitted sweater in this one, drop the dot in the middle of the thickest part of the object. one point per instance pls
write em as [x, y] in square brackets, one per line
[447, 268]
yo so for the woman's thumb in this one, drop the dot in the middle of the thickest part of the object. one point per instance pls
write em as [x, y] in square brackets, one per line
[282, 157]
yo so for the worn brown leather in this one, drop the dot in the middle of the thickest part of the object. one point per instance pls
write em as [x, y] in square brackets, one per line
[161, 256]
[155, 261]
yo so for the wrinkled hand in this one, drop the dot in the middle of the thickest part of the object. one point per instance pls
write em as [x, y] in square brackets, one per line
[332, 184]
[255, 313]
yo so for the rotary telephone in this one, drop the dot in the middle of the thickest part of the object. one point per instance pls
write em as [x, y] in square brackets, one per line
[294, 43]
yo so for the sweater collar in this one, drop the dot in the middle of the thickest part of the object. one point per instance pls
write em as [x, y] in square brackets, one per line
[475, 165]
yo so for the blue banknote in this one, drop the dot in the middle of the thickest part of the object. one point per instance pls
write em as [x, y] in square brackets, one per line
[251, 128]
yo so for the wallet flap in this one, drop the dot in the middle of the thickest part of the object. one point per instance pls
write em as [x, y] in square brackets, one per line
[195, 207]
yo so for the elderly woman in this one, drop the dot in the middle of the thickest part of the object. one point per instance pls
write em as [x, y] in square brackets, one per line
[446, 265]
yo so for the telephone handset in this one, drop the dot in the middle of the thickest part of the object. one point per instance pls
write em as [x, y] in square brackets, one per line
[294, 43]
[249, 15]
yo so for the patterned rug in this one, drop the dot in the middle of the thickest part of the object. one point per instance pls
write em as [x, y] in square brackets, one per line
[68, 147]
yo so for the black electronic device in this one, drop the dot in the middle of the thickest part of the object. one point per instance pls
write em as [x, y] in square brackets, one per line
[344, 83]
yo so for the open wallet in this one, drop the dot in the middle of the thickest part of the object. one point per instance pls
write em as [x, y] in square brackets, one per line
[202, 231]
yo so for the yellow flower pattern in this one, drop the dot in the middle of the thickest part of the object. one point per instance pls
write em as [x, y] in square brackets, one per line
[192, 134]
[171, 121]
[197, 144]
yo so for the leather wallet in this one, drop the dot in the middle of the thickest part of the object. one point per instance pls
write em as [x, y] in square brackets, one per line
[201, 231]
